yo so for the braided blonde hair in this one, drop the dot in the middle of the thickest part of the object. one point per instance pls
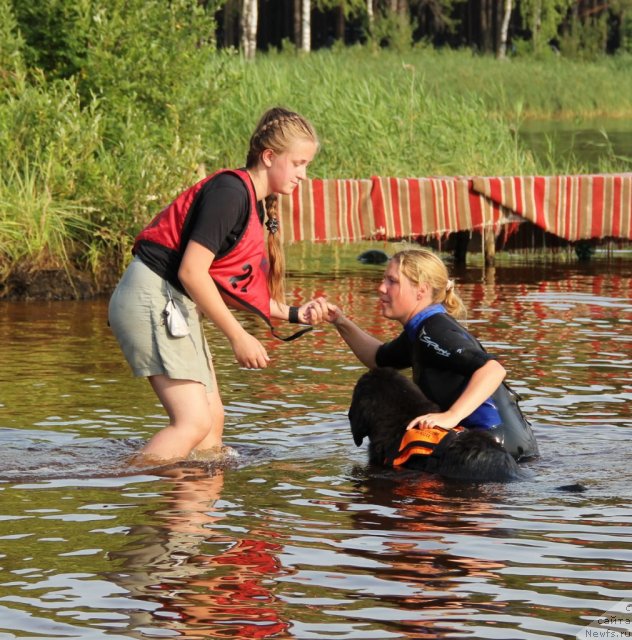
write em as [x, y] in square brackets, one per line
[424, 266]
[277, 130]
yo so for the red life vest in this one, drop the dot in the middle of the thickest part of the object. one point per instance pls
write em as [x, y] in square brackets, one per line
[241, 274]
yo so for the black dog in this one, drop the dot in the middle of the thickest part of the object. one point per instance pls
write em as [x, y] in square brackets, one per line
[384, 402]
[373, 256]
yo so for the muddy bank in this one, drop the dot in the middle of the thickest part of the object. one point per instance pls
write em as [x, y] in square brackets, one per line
[50, 284]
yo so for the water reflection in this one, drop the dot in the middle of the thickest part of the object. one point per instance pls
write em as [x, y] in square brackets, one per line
[419, 520]
[199, 581]
[297, 538]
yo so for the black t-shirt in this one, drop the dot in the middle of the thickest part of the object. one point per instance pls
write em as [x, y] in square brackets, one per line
[216, 219]
[443, 357]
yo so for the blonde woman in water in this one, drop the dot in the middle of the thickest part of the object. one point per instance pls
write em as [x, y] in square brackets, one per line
[449, 365]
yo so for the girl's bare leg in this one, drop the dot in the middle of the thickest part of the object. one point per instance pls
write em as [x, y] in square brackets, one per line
[190, 418]
[213, 439]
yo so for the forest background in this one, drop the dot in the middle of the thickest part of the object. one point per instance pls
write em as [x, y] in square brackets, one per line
[109, 108]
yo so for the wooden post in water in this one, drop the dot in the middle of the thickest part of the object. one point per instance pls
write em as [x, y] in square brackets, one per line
[461, 240]
[489, 243]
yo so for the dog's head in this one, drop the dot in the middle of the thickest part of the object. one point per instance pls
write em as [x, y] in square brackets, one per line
[383, 403]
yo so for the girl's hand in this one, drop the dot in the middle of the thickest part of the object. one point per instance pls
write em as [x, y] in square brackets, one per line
[444, 420]
[312, 312]
[316, 311]
[249, 352]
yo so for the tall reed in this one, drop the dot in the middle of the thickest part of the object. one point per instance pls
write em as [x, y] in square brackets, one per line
[79, 176]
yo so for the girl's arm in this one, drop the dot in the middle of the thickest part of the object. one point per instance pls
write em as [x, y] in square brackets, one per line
[481, 386]
[308, 313]
[195, 278]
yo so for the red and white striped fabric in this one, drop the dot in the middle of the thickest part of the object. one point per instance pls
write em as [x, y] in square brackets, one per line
[321, 210]
[571, 207]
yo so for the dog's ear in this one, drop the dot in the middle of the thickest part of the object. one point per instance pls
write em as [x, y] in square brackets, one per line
[358, 428]
[361, 408]
[357, 438]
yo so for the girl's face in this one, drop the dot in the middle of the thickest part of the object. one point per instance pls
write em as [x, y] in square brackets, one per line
[287, 169]
[400, 299]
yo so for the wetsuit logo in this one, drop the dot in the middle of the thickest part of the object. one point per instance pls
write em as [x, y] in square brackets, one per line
[425, 338]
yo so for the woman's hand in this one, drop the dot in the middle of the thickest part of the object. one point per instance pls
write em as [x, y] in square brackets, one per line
[311, 312]
[445, 420]
[334, 314]
[249, 352]
[481, 386]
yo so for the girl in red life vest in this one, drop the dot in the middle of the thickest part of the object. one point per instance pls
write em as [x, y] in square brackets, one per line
[203, 251]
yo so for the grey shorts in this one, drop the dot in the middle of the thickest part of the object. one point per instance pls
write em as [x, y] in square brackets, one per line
[136, 318]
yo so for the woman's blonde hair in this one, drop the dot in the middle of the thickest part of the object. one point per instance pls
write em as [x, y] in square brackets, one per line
[424, 266]
[277, 130]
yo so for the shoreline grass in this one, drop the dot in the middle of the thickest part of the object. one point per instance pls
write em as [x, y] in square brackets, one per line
[101, 171]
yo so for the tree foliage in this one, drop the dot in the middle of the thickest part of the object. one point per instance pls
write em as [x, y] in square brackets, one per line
[102, 105]
[11, 41]
[593, 26]
[543, 18]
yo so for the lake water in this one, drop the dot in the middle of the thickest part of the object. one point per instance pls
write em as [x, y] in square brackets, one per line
[590, 142]
[297, 537]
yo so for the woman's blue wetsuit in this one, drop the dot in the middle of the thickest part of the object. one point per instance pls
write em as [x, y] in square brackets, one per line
[444, 356]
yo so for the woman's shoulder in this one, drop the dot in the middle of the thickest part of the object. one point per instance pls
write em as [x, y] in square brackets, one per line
[443, 325]
[224, 190]
[443, 320]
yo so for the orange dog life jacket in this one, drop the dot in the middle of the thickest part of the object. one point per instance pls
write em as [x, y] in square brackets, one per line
[420, 441]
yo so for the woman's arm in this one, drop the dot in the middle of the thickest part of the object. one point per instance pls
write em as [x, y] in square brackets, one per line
[481, 386]
[363, 345]
[194, 276]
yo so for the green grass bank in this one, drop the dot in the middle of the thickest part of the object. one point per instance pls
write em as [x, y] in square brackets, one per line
[80, 175]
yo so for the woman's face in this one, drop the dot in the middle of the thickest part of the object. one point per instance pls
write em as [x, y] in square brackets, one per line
[287, 169]
[400, 299]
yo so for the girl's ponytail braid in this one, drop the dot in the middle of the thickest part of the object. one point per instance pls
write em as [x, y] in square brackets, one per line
[276, 257]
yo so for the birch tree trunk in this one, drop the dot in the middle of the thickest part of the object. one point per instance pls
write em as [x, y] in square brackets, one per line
[369, 13]
[249, 20]
[306, 26]
[504, 30]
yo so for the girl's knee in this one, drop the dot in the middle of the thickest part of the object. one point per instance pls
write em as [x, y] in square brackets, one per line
[216, 408]
[218, 416]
